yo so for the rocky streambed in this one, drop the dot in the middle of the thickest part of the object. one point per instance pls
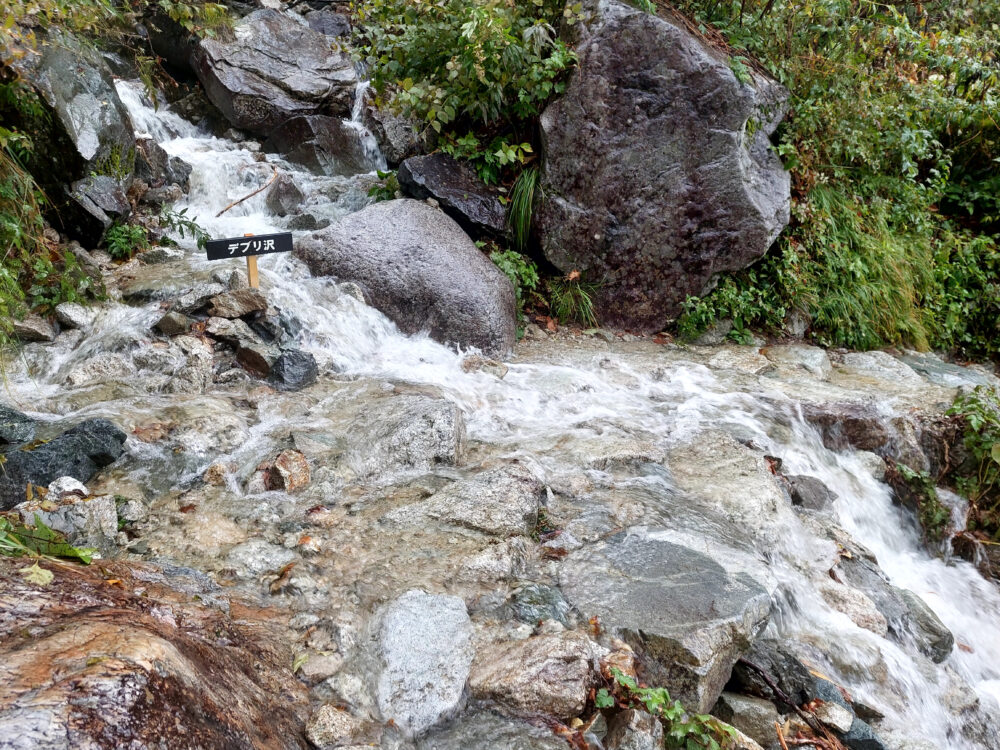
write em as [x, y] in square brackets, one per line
[320, 527]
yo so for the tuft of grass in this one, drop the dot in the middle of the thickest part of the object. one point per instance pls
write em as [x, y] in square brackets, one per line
[571, 300]
[522, 200]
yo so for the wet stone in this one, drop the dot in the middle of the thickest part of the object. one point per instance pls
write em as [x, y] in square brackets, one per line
[332, 727]
[197, 298]
[634, 730]
[74, 315]
[88, 522]
[754, 717]
[834, 716]
[294, 370]
[237, 304]
[424, 649]
[34, 328]
[686, 618]
[289, 472]
[15, 427]
[257, 557]
[173, 324]
[810, 493]
[481, 730]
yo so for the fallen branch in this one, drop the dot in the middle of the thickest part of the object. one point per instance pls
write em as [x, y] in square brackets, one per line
[274, 176]
[781, 737]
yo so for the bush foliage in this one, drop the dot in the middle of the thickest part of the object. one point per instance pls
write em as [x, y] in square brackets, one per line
[893, 144]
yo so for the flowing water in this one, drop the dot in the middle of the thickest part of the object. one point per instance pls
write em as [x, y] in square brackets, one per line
[557, 402]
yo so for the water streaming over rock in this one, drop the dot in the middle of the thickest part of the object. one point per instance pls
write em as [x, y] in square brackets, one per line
[562, 406]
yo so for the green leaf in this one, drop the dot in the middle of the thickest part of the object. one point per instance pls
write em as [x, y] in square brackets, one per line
[604, 699]
[995, 452]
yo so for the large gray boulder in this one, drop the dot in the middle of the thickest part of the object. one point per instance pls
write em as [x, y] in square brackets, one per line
[418, 267]
[275, 69]
[658, 173]
[79, 453]
[686, 617]
[86, 138]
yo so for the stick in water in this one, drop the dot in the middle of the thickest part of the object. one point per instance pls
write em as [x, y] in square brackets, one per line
[251, 195]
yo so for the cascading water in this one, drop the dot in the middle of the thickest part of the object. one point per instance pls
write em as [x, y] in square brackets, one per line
[547, 409]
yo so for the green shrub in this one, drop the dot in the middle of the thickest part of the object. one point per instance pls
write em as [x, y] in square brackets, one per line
[387, 187]
[892, 141]
[978, 479]
[521, 271]
[124, 240]
[571, 300]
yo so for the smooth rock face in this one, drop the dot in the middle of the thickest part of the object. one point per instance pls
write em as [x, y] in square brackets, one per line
[294, 370]
[138, 664]
[418, 267]
[810, 493]
[502, 501]
[406, 434]
[424, 649]
[275, 69]
[933, 638]
[327, 145]
[79, 453]
[658, 172]
[687, 619]
[550, 674]
[458, 190]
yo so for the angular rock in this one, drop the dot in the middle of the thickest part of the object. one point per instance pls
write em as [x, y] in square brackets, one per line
[480, 730]
[173, 324]
[237, 304]
[398, 137]
[686, 618]
[294, 370]
[755, 717]
[533, 603]
[15, 427]
[634, 730]
[156, 167]
[252, 353]
[856, 605]
[424, 652]
[783, 667]
[418, 267]
[195, 374]
[64, 487]
[478, 363]
[328, 23]
[332, 727]
[809, 492]
[87, 130]
[74, 315]
[284, 196]
[458, 190]
[34, 328]
[834, 716]
[327, 145]
[548, 674]
[289, 472]
[100, 201]
[862, 737]
[503, 501]
[197, 298]
[406, 434]
[143, 663]
[658, 172]
[79, 453]
[87, 522]
[275, 69]
[933, 639]
[102, 368]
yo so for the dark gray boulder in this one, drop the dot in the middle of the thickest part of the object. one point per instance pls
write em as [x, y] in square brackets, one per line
[398, 137]
[686, 617]
[418, 267]
[284, 196]
[810, 492]
[274, 69]
[79, 453]
[86, 132]
[100, 201]
[15, 427]
[781, 666]
[458, 190]
[327, 145]
[294, 369]
[154, 166]
[658, 172]
[329, 23]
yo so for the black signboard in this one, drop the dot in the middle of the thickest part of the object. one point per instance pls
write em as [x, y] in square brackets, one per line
[244, 247]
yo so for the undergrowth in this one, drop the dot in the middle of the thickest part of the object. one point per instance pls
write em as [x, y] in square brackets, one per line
[978, 479]
[892, 142]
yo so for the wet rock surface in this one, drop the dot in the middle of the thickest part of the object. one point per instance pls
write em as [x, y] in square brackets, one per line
[419, 268]
[120, 655]
[638, 194]
[688, 620]
[326, 145]
[274, 70]
[80, 452]
[458, 190]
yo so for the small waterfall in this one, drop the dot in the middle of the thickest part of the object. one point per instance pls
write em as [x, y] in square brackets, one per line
[368, 141]
[547, 409]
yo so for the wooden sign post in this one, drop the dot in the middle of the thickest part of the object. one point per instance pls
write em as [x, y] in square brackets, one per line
[249, 246]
